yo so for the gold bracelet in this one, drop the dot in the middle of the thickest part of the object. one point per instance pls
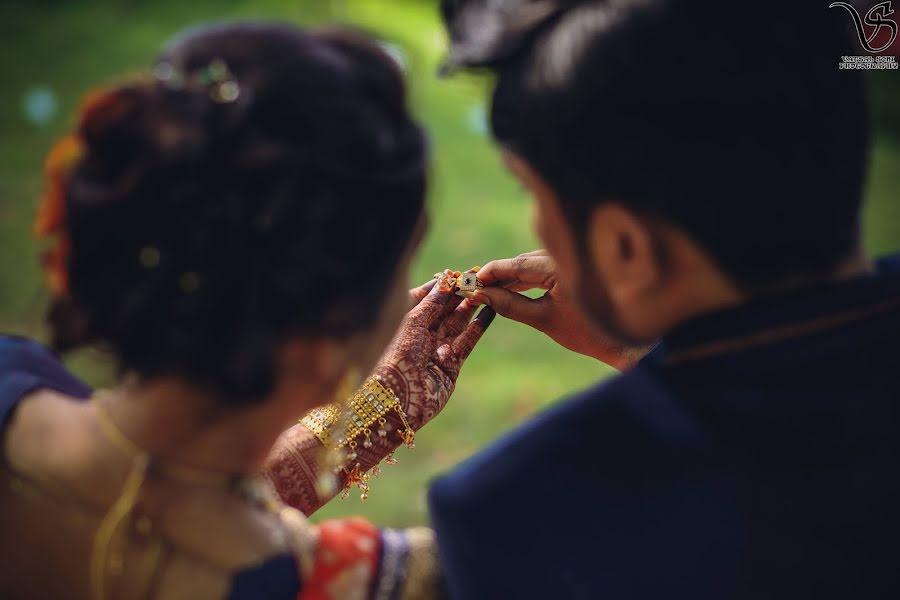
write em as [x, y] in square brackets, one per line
[322, 420]
[338, 426]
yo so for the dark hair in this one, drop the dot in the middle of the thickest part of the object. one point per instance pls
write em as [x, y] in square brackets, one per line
[730, 120]
[209, 225]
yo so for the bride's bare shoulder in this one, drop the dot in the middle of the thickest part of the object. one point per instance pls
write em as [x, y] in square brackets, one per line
[51, 437]
[41, 419]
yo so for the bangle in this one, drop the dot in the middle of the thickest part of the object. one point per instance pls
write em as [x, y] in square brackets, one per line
[322, 420]
[339, 426]
[370, 404]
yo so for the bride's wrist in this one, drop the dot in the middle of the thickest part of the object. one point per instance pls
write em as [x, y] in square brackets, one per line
[361, 432]
[392, 379]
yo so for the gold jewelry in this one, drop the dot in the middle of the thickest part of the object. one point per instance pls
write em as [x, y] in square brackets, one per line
[324, 418]
[450, 280]
[105, 559]
[339, 427]
[134, 452]
[108, 561]
[469, 282]
[322, 421]
[368, 405]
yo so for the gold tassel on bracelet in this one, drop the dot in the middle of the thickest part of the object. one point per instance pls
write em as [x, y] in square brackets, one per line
[341, 427]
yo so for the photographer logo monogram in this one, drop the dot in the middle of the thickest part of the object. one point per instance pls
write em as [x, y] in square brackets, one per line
[868, 29]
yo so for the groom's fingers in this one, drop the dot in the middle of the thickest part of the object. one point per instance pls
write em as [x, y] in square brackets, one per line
[426, 312]
[533, 270]
[534, 312]
[465, 343]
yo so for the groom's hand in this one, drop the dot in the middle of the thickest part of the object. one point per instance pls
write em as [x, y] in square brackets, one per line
[554, 313]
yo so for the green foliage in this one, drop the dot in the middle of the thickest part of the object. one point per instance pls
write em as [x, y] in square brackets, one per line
[477, 210]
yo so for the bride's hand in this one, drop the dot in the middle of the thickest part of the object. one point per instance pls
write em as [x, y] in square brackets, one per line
[424, 359]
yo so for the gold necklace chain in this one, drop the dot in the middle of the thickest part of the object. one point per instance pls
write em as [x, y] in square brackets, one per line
[107, 561]
[129, 448]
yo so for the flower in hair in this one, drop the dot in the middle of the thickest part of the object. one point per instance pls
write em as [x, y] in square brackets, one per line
[103, 106]
[50, 220]
[99, 108]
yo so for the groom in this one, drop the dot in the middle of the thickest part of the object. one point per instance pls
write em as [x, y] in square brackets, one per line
[697, 169]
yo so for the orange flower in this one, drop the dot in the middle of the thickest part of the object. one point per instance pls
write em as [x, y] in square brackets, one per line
[56, 266]
[99, 108]
[103, 106]
[58, 167]
[51, 216]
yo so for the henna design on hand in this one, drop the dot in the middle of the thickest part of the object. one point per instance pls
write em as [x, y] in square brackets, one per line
[425, 358]
[293, 467]
[421, 366]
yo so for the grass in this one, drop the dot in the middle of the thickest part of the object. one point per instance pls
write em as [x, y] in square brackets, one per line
[478, 212]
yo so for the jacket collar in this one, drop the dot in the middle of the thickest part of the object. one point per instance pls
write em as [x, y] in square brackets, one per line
[791, 329]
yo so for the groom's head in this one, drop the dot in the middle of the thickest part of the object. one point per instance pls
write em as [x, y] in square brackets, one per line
[683, 154]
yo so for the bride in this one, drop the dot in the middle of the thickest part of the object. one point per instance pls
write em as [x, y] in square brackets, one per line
[235, 230]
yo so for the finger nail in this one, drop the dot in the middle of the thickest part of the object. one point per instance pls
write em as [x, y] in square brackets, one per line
[486, 316]
[440, 293]
[469, 295]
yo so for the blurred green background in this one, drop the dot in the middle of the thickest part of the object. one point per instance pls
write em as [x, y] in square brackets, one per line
[51, 52]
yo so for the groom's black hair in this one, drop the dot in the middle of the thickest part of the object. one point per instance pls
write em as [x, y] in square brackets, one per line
[731, 121]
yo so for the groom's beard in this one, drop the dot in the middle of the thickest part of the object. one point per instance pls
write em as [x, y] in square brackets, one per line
[592, 294]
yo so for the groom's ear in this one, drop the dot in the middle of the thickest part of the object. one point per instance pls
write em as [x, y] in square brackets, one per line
[622, 247]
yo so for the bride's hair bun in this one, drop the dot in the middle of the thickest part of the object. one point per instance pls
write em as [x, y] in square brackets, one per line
[241, 197]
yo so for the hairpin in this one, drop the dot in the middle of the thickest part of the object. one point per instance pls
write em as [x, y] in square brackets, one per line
[215, 77]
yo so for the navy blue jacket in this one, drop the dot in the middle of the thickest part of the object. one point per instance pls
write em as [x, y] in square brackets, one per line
[754, 454]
